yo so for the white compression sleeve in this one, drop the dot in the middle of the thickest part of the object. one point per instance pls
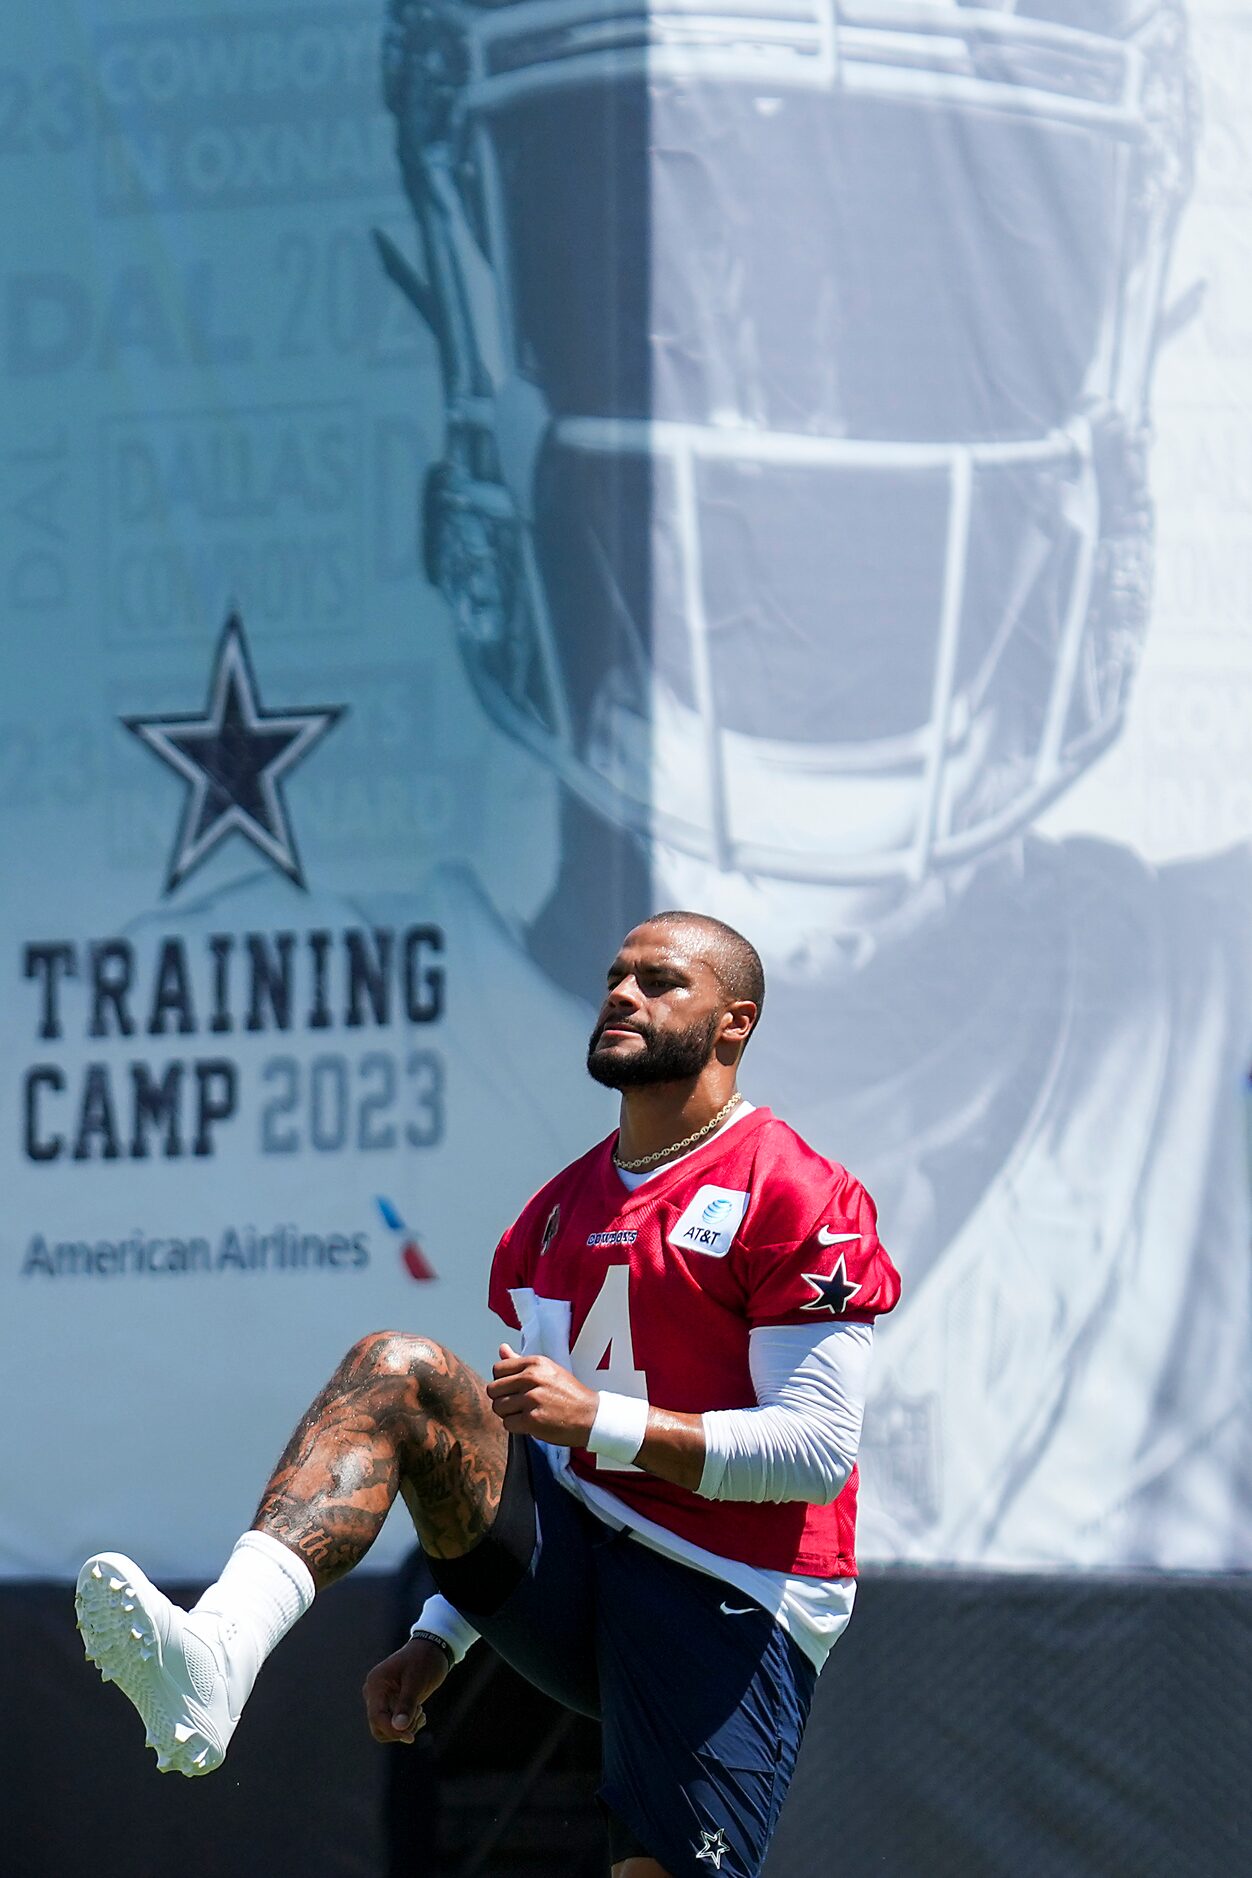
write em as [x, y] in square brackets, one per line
[446, 1622]
[800, 1442]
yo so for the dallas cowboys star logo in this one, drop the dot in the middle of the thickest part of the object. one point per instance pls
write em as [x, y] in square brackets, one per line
[714, 1847]
[832, 1294]
[235, 758]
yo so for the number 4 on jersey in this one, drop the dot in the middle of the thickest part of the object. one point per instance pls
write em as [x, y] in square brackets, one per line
[603, 1356]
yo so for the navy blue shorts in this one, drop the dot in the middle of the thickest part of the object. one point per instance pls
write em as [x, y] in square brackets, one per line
[701, 1695]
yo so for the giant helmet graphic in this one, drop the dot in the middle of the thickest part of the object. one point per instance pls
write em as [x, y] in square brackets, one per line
[796, 357]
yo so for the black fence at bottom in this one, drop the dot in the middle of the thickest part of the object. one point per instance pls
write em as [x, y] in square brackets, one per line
[1030, 1727]
[965, 1727]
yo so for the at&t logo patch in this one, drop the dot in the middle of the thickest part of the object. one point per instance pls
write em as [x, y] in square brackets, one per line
[710, 1221]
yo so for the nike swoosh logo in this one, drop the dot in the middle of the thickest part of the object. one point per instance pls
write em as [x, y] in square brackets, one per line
[826, 1237]
[733, 1610]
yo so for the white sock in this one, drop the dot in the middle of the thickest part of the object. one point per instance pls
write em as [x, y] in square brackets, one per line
[263, 1589]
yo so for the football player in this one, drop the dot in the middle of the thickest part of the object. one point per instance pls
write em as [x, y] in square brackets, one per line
[650, 1509]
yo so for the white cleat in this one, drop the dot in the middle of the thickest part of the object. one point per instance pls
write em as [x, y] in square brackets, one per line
[169, 1662]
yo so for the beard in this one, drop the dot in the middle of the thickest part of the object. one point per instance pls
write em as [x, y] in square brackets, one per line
[676, 1056]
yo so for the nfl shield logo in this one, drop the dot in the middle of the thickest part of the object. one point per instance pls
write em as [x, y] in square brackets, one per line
[901, 1450]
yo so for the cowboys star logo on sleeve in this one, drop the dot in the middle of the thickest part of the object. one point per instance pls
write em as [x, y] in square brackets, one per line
[836, 1292]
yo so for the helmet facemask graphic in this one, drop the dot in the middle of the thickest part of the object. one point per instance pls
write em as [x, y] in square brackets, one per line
[793, 502]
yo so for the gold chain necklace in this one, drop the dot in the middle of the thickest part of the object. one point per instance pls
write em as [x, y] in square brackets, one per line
[679, 1147]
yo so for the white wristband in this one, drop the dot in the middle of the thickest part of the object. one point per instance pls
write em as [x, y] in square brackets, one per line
[620, 1427]
[439, 1616]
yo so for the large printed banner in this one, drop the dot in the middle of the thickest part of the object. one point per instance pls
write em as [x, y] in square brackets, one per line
[474, 474]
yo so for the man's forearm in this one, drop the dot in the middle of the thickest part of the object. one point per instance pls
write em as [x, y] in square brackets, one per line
[674, 1447]
[798, 1443]
[758, 1454]
[661, 1441]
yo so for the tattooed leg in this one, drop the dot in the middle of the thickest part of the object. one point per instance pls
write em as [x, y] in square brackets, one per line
[400, 1415]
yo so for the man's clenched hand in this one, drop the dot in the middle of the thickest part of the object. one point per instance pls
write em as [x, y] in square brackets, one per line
[532, 1395]
[396, 1689]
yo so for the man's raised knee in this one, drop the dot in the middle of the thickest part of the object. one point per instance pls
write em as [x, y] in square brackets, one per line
[405, 1357]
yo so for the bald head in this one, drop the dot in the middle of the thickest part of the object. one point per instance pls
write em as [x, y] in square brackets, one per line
[734, 960]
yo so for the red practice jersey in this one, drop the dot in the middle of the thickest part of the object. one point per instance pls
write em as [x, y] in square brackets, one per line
[660, 1288]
